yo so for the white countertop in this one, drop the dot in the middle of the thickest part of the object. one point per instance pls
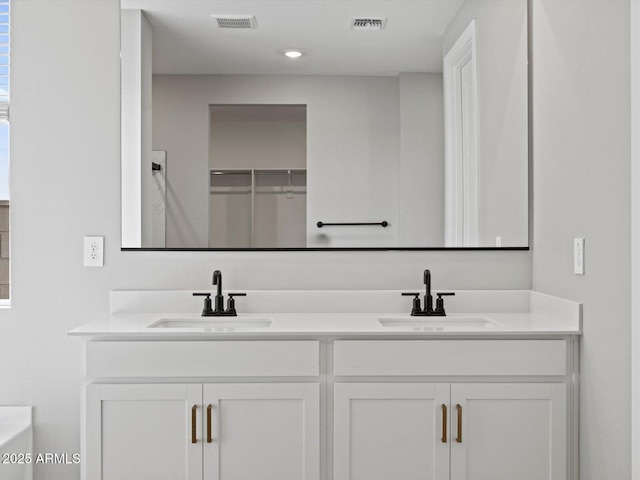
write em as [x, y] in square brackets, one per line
[343, 313]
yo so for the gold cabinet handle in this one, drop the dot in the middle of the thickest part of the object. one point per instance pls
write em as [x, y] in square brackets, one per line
[444, 423]
[459, 437]
[193, 424]
[209, 439]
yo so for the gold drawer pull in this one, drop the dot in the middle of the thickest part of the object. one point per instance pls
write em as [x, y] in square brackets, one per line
[193, 424]
[459, 437]
[444, 423]
[209, 439]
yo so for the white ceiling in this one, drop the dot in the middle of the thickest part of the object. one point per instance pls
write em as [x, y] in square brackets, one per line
[187, 40]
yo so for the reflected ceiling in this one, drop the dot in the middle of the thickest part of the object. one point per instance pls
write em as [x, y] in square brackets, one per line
[410, 41]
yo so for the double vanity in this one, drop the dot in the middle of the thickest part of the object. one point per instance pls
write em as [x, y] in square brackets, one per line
[328, 385]
[311, 385]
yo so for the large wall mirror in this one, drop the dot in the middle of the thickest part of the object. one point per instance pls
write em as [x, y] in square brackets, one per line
[324, 124]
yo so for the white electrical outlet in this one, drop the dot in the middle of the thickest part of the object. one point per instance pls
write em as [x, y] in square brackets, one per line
[578, 256]
[93, 251]
[498, 241]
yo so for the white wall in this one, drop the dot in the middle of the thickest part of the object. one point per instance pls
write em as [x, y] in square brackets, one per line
[421, 202]
[501, 45]
[352, 149]
[376, 141]
[65, 183]
[258, 144]
[635, 240]
[136, 129]
[581, 189]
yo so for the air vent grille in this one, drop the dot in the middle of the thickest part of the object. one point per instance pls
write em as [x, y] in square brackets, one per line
[236, 22]
[368, 23]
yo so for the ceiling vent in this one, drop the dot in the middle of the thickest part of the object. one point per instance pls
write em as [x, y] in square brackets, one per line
[368, 23]
[236, 22]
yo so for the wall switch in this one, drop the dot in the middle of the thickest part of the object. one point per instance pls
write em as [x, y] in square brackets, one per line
[578, 256]
[93, 251]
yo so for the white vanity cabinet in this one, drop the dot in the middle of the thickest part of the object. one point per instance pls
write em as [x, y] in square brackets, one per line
[389, 430]
[507, 431]
[262, 431]
[407, 409]
[329, 408]
[141, 431]
[193, 410]
[212, 431]
[449, 431]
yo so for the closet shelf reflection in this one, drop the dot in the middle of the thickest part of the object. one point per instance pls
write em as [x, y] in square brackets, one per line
[257, 208]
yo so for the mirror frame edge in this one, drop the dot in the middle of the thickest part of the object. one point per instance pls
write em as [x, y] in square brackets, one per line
[529, 9]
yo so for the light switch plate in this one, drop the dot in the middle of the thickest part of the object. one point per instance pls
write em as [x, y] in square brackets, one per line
[578, 256]
[93, 251]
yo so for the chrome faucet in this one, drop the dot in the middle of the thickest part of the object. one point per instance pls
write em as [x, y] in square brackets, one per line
[428, 311]
[218, 309]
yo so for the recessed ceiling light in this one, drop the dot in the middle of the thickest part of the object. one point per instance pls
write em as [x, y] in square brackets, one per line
[218, 173]
[293, 53]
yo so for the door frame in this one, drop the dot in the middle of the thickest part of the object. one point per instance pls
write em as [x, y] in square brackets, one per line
[461, 143]
[635, 240]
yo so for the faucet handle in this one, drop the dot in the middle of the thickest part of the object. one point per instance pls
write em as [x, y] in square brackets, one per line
[416, 301]
[440, 301]
[206, 310]
[231, 303]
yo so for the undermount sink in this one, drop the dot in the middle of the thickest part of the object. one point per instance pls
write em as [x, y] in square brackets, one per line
[226, 323]
[439, 323]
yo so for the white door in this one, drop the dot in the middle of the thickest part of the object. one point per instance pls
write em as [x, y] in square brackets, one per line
[143, 432]
[461, 142]
[508, 431]
[385, 431]
[262, 431]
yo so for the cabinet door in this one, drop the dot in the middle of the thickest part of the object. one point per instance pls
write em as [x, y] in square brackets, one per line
[262, 432]
[508, 431]
[386, 431]
[139, 432]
